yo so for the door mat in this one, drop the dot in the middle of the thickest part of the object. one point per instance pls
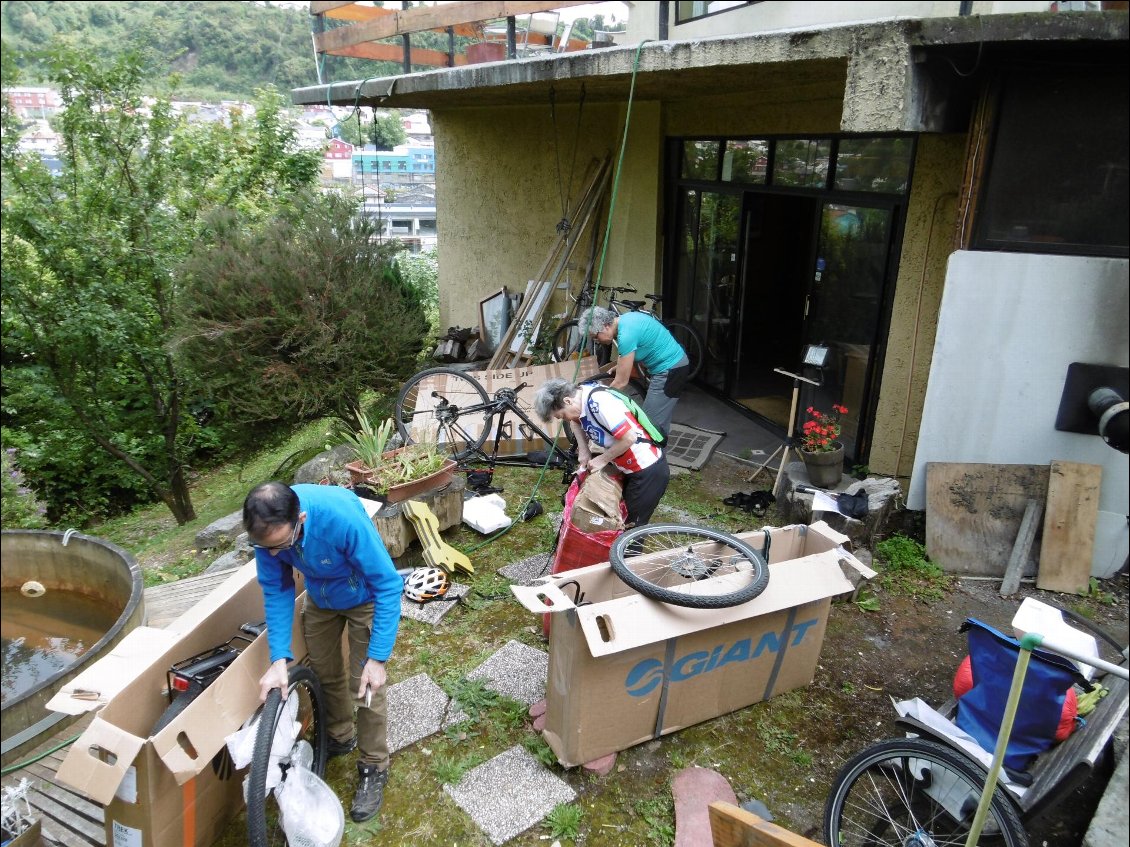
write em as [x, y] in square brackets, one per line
[690, 447]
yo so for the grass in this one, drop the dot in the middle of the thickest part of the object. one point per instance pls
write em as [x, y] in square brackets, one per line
[564, 821]
[906, 570]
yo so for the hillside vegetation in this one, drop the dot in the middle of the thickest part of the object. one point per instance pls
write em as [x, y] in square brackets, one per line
[221, 50]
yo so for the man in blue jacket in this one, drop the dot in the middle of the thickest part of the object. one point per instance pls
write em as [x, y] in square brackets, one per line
[351, 585]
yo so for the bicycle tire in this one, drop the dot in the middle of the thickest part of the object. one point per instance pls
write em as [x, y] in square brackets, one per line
[636, 389]
[691, 342]
[263, 826]
[872, 795]
[568, 342]
[689, 566]
[420, 414]
[182, 702]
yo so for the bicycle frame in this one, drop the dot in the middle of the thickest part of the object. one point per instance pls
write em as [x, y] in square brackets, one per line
[504, 402]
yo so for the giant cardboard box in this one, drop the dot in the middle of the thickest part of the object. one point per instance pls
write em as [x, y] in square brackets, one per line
[178, 787]
[624, 669]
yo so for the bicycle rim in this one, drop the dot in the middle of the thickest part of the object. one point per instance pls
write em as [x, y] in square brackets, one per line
[915, 793]
[689, 566]
[568, 342]
[429, 408]
[264, 827]
[690, 341]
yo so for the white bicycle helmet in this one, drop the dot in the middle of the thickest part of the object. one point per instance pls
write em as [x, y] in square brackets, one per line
[425, 584]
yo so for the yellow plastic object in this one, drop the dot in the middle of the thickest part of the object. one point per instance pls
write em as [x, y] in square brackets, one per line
[437, 552]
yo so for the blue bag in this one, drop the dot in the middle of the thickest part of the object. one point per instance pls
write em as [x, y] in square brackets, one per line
[980, 711]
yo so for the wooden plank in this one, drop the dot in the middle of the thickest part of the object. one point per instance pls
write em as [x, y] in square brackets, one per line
[974, 511]
[1069, 527]
[165, 603]
[349, 11]
[733, 826]
[1022, 549]
[429, 17]
[395, 53]
[64, 825]
[76, 803]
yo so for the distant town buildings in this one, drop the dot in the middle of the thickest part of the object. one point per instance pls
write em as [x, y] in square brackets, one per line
[398, 185]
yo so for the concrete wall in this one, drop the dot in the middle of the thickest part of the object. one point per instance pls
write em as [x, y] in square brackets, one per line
[927, 245]
[1009, 326]
[499, 202]
[643, 18]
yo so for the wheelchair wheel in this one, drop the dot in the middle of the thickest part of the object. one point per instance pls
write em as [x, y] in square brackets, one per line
[689, 566]
[430, 408]
[264, 829]
[913, 793]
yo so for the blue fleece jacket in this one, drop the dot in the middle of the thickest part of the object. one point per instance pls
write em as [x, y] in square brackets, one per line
[345, 564]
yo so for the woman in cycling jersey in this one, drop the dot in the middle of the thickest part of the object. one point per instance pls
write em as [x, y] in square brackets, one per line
[601, 419]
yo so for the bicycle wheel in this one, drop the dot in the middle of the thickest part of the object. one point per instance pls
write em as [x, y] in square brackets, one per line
[182, 702]
[689, 566]
[263, 825]
[568, 342]
[690, 341]
[636, 389]
[430, 408]
[910, 791]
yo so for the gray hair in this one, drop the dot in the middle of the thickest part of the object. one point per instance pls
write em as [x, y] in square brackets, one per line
[595, 318]
[551, 396]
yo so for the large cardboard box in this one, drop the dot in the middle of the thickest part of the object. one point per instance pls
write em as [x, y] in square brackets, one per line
[624, 669]
[178, 787]
[597, 506]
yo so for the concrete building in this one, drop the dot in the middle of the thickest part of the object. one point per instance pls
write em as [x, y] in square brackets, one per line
[934, 192]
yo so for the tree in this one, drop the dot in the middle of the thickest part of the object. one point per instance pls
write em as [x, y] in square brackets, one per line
[295, 321]
[89, 260]
[387, 130]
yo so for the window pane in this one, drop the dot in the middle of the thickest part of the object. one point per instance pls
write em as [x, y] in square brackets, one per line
[686, 11]
[802, 162]
[745, 161]
[873, 164]
[1057, 179]
[700, 159]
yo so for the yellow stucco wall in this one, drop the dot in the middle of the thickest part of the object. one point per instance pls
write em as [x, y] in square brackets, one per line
[926, 249]
[498, 197]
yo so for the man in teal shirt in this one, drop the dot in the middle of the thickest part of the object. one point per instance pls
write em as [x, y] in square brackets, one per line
[641, 338]
[352, 586]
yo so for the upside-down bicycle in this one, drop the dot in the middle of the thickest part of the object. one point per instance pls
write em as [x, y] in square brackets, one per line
[452, 408]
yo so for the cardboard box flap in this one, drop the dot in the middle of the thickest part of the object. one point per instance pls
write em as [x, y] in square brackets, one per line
[190, 741]
[627, 622]
[97, 685]
[218, 597]
[542, 597]
[84, 769]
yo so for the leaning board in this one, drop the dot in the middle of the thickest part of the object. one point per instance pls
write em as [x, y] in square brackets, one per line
[973, 514]
[1069, 527]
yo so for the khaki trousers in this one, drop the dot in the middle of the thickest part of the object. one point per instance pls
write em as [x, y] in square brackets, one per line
[323, 629]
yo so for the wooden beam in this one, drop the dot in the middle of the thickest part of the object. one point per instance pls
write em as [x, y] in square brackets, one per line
[353, 12]
[395, 53]
[431, 17]
[732, 826]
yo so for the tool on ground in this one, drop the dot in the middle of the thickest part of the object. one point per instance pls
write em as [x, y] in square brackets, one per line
[437, 552]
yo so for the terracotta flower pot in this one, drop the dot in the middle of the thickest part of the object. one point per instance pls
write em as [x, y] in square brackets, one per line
[825, 470]
[361, 474]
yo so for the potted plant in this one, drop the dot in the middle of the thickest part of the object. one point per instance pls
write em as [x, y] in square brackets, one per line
[395, 474]
[820, 449]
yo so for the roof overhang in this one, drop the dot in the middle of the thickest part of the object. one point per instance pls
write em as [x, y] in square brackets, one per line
[893, 73]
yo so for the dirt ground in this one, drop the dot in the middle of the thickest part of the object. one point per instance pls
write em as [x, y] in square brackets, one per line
[910, 649]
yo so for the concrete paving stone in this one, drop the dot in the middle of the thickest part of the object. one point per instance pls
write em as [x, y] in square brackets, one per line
[433, 611]
[695, 789]
[417, 708]
[509, 794]
[517, 671]
[525, 571]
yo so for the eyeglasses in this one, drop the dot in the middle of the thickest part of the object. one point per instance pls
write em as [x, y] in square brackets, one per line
[287, 546]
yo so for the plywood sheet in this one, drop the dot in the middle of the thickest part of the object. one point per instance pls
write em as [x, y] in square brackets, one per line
[1069, 527]
[974, 511]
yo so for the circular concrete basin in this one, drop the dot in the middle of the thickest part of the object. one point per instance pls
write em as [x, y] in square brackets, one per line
[72, 595]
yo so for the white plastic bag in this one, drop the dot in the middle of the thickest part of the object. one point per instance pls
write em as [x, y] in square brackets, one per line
[310, 812]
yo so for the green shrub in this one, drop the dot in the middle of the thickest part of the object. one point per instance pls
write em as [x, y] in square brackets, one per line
[19, 507]
[907, 570]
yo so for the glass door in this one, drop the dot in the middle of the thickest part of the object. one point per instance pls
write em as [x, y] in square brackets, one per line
[844, 307]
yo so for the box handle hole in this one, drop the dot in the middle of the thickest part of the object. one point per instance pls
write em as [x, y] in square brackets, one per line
[186, 745]
[604, 627]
